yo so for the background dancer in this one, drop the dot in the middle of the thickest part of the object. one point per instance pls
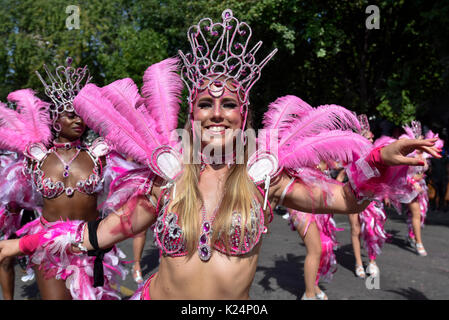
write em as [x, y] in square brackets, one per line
[418, 199]
[368, 224]
[66, 179]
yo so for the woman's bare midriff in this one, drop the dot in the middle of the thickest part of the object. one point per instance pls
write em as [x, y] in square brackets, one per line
[222, 277]
[78, 207]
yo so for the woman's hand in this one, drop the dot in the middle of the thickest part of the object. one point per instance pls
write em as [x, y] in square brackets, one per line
[9, 248]
[396, 153]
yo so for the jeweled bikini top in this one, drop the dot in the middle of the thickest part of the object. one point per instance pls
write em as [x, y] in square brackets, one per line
[50, 189]
[262, 167]
[168, 234]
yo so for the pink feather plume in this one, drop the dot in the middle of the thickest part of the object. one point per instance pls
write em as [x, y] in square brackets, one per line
[283, 111]
[10, 118]
[431, 135]
[408, 133]
[34, 112]
[100, 115]
[162, 87]
[29, 123]
[124, 96]
[323, 118]
[328, 146]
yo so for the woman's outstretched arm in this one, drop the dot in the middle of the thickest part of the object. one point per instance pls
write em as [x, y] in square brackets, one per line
[74, 235]
[117, 227]
[343, 198]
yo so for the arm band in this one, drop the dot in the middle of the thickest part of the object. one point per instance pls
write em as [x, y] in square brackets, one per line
[92, 227]
[28, 244]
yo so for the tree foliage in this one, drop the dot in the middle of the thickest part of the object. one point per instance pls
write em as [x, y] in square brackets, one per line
[326, 53]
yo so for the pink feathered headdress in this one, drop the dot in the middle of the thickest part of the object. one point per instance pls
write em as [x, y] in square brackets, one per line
[29, 123]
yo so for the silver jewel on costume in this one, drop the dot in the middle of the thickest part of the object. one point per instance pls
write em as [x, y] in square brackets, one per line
[53, 189]
[69, 191]
[168, 235]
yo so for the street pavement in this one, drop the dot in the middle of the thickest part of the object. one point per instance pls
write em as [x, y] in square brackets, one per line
[403, 274]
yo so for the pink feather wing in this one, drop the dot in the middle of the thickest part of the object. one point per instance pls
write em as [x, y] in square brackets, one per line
[124, 96]
[99, 114]
[324, 118]
[162, 88]
[33, 112]
[284, 110]
[328, 146]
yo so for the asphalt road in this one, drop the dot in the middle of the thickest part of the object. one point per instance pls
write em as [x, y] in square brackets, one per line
[403, 274]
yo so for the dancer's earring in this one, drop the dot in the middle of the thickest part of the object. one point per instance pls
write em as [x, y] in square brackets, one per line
[57, 127]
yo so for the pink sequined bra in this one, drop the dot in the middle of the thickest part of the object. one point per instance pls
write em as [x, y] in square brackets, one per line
[168, 234]
[50, 189]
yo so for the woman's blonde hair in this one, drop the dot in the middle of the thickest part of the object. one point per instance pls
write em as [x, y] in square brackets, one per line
[238, 193]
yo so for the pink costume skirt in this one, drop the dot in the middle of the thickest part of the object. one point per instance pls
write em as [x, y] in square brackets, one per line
[77, 269]
[327, 227]
[372, 221]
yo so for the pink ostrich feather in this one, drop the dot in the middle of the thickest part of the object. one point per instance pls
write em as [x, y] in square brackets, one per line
[329, 146]
[30, 123]
[100, 115]
[283, 111]
[324, 118]
[431, 135]
[10, 118]
[34, 114]
[11, 140]
[408, 133]
[162, 88]
[124, 96]
[11, 129]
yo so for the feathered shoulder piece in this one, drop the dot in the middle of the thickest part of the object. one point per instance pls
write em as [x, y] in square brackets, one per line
[307, 135]
[28, 124]
[99, 148]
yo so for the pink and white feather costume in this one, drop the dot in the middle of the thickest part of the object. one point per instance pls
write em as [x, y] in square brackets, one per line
[120, 97]
[27, 132]
[372, 219]
[418, 190]
[9, 221]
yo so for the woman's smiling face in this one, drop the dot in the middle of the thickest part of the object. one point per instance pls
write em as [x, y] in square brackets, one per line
[218, 115]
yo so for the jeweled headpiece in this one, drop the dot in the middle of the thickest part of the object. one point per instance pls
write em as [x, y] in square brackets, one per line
[64, 86]
[416, 128]
[220, 59]
[364, 123]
